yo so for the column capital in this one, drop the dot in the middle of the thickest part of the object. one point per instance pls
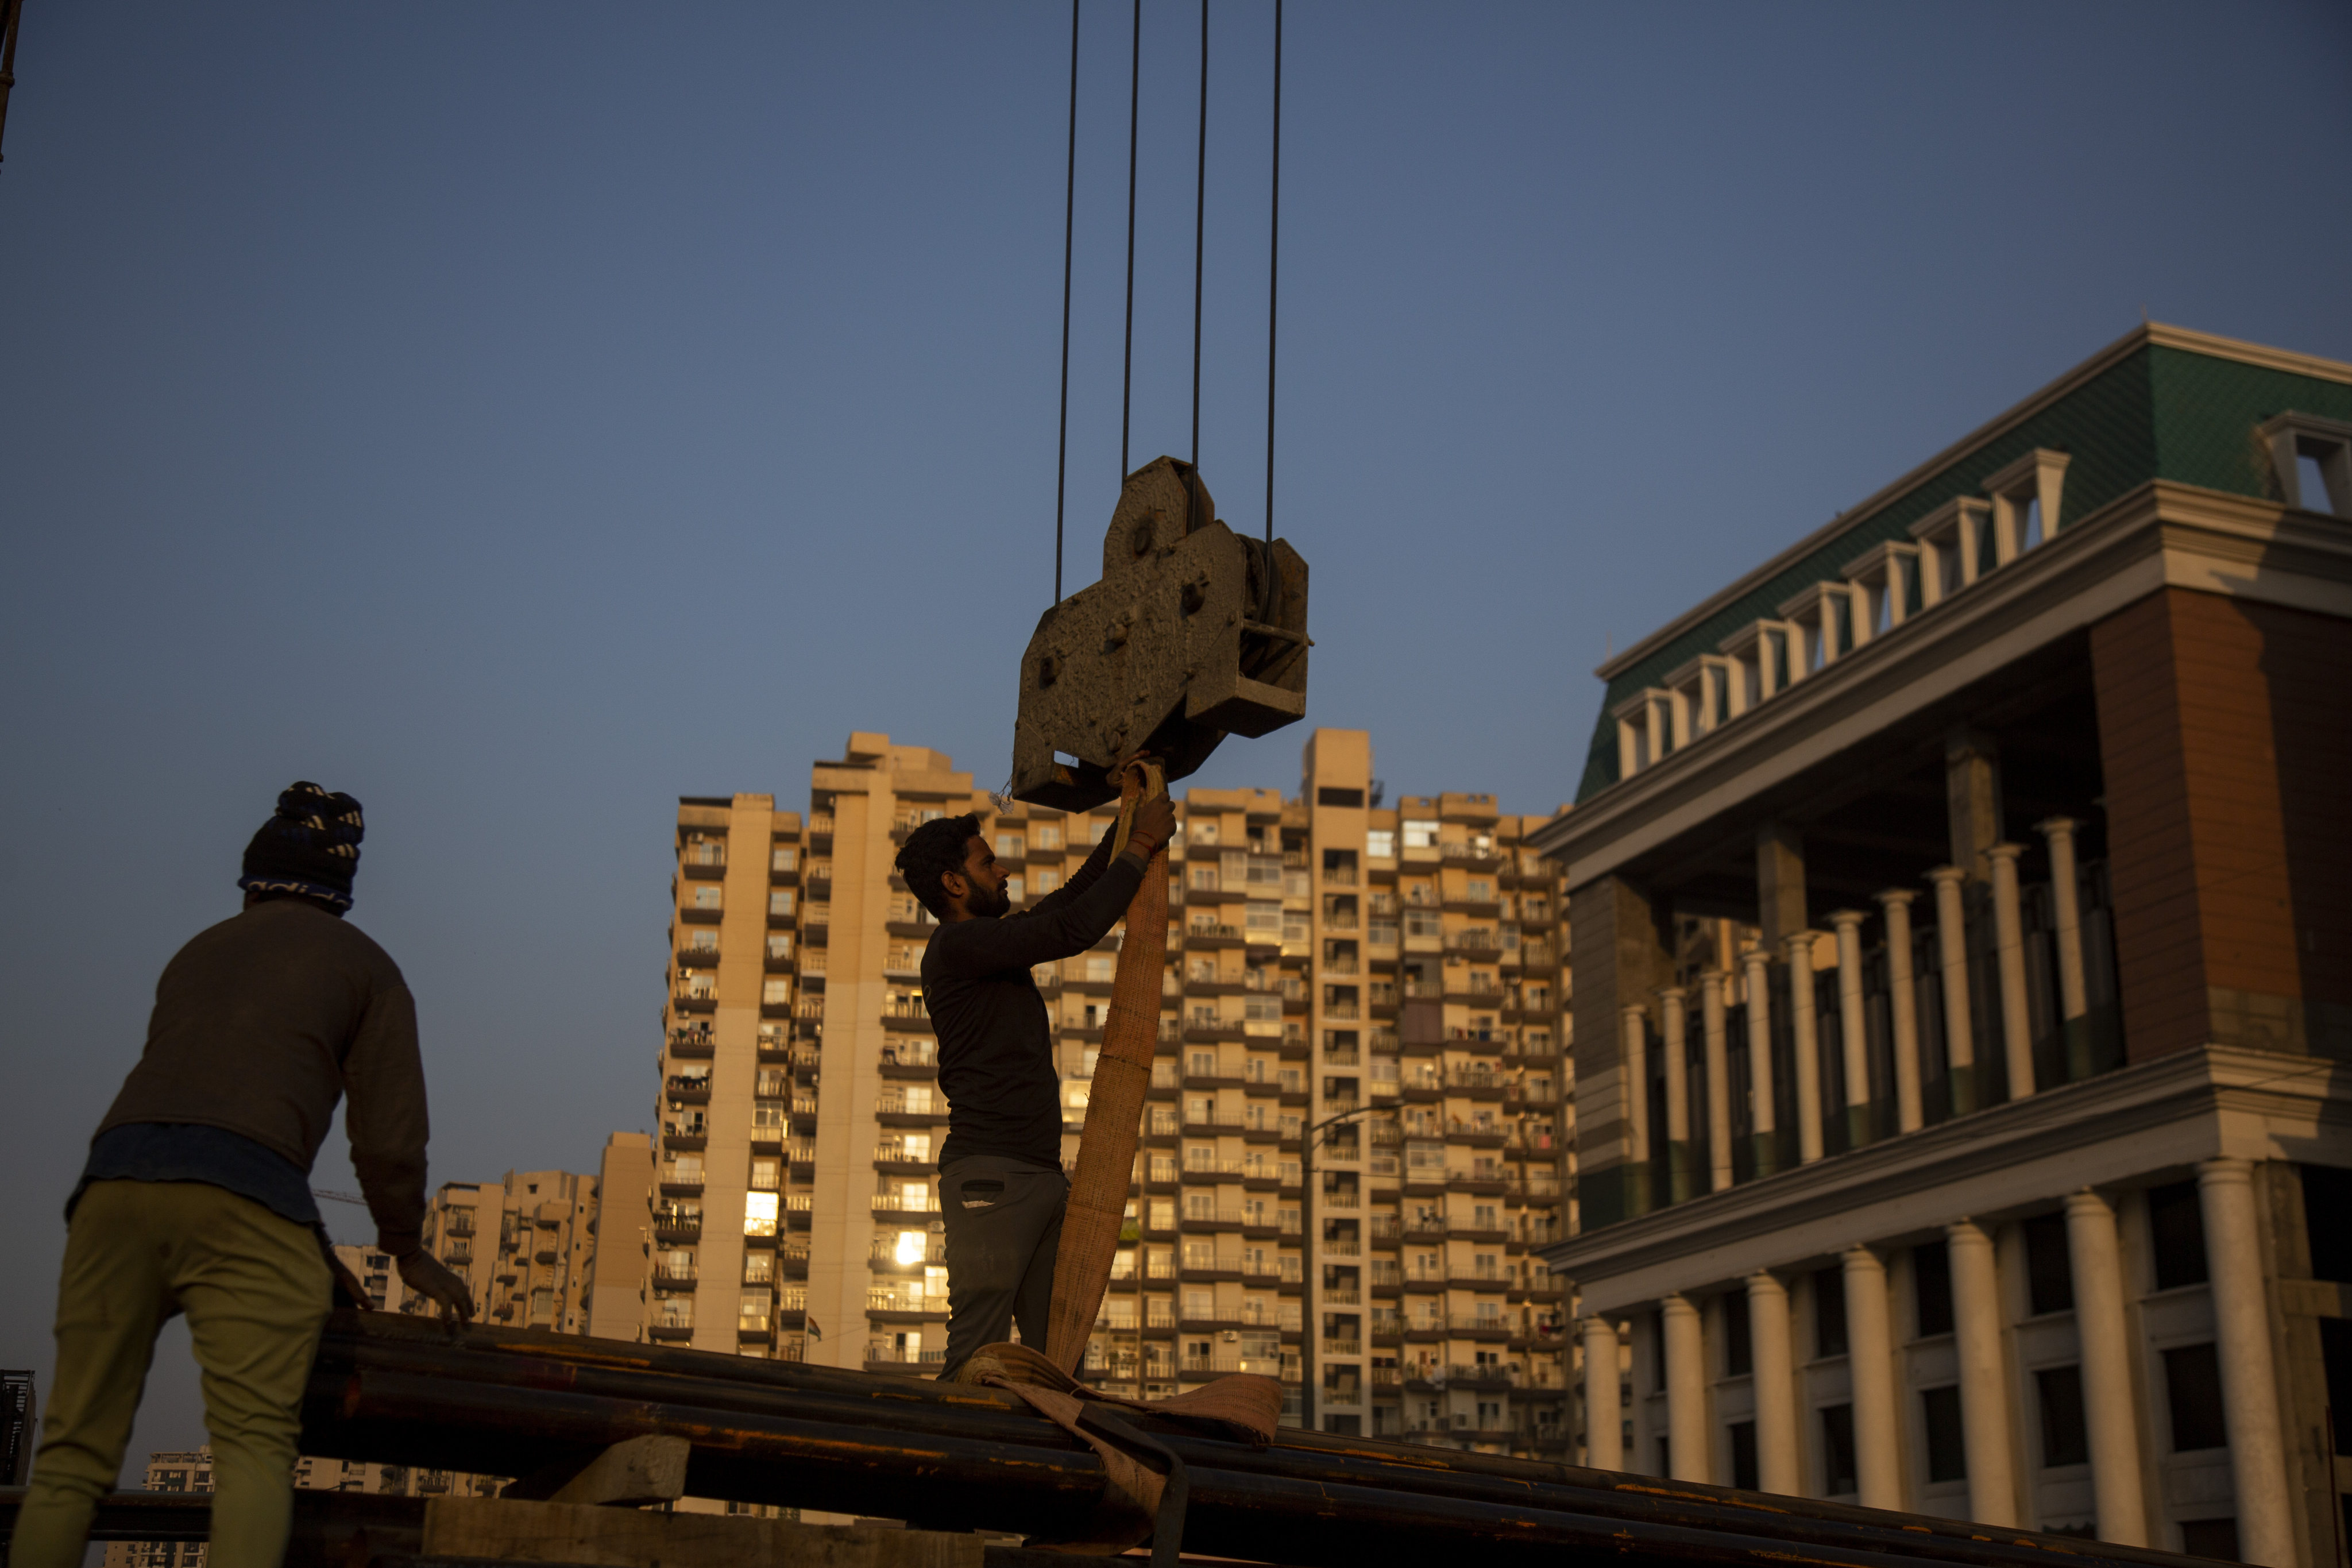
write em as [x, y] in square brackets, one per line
[1755, 958]
[2087, 1198]
[1943, 874]
[2056, 827]
[1965, 1225]
[1671, 993]
[2001, 853]
[1712, 980]
[2211, 1172]
[1633, 1010]
[1897, 898]
[1676, 1302]
[1764, 1277]
[1842, 919]
[1862, 1253]
[1800, 941]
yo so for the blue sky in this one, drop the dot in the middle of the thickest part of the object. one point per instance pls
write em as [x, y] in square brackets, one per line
[521, 415]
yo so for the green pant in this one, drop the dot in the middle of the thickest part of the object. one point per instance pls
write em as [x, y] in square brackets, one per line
[257, 1293]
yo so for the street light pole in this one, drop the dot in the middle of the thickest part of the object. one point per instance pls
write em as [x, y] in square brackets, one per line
[1310, 1271]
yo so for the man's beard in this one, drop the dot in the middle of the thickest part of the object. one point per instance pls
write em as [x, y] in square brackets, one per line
[988, 907]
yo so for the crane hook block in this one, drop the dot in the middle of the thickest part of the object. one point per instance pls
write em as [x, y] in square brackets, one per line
[1193, 634]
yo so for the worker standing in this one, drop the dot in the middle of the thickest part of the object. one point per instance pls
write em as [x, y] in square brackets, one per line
[196, 1196]
[1002, 1190]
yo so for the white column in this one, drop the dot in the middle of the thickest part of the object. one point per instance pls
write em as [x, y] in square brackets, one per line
[1763, 1112]
[2107, 1406]
[1773, 1355]
[1800, 949]
[1853, 1039]
[1674, 1023]
[1637, 1085]
[1869, 1361]
[1952, 949]
[1604, 1431]
[1903, 1003]
[2066, 903]
[1718, 1080]
[2009, 940]
[1687, 1456]
[1984, 1382]
[2241, 1333]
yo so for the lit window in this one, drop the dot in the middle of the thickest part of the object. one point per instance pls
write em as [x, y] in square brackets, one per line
[760, 1213]
[912, 1245]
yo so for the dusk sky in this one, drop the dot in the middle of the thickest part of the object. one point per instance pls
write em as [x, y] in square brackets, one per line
[521, 415]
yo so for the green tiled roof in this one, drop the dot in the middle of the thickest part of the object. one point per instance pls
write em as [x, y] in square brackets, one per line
[2160, 412]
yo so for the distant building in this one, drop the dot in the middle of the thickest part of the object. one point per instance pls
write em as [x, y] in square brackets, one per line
[16, 1427]
[1395, 968]
[1964, 983]
[189, 1471]
[526, 1246]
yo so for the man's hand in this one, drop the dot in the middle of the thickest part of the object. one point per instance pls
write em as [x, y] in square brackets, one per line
[423, 1273]
[1154, 825]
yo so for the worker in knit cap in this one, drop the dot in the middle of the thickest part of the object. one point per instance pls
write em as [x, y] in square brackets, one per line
[196, 1197]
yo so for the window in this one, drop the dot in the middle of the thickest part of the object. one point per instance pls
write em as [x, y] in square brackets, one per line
[1829, 1318]
[1011, 847]
[780, 902]
[1931, 1283]
[1837, 1451]
[1743, 1456]
[760, 1213]
[775, 990]
[1200, 830]
[1739, 1345]
[2192, 1392]
[1331, 795]
[765, 1175]
[1044, 836]
[2049, 1273]
[706, 895]
[2326, 1198]
[1045, 881]
[1420, 834]
[2215, 1538]
[704, 940]
[1380, 844]
[780, 945]
[785, 858]
[1947, 1454]
[2065, 1440]
[2025, 500]
[1951, 553]
[2176, 1226]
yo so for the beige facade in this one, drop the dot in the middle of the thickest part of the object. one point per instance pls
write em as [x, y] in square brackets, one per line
[526, 1246]
[1396, 972]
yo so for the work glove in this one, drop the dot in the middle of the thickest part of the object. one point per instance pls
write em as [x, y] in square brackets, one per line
[423, 1273]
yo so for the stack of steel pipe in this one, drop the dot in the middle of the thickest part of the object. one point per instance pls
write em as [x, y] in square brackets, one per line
[945, 1457]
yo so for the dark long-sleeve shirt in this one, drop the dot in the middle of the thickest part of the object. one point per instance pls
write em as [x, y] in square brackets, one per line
[996, 1046]
[263, 1023]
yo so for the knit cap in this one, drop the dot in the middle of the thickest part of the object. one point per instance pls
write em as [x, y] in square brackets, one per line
[310, 847]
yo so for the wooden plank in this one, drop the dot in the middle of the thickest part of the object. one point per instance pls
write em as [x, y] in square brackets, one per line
[583, 1533]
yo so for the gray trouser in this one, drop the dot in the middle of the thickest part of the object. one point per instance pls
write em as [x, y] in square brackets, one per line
[1003, 1221]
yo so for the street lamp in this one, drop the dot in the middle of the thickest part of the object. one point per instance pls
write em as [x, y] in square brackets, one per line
[1311, 1271]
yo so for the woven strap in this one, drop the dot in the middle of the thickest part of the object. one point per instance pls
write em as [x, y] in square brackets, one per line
[1096, 1210]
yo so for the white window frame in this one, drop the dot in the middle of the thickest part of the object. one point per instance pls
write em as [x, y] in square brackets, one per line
[2291, 436]
[1882, 576]
[1958, 522]
[2039, 476]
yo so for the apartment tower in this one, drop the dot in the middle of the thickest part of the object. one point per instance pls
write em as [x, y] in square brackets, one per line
[1356, 1126]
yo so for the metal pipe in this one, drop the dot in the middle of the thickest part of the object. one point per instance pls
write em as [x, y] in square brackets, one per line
[397, 1390]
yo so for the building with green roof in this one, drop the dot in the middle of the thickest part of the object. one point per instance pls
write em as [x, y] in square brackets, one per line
[1961, 904]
